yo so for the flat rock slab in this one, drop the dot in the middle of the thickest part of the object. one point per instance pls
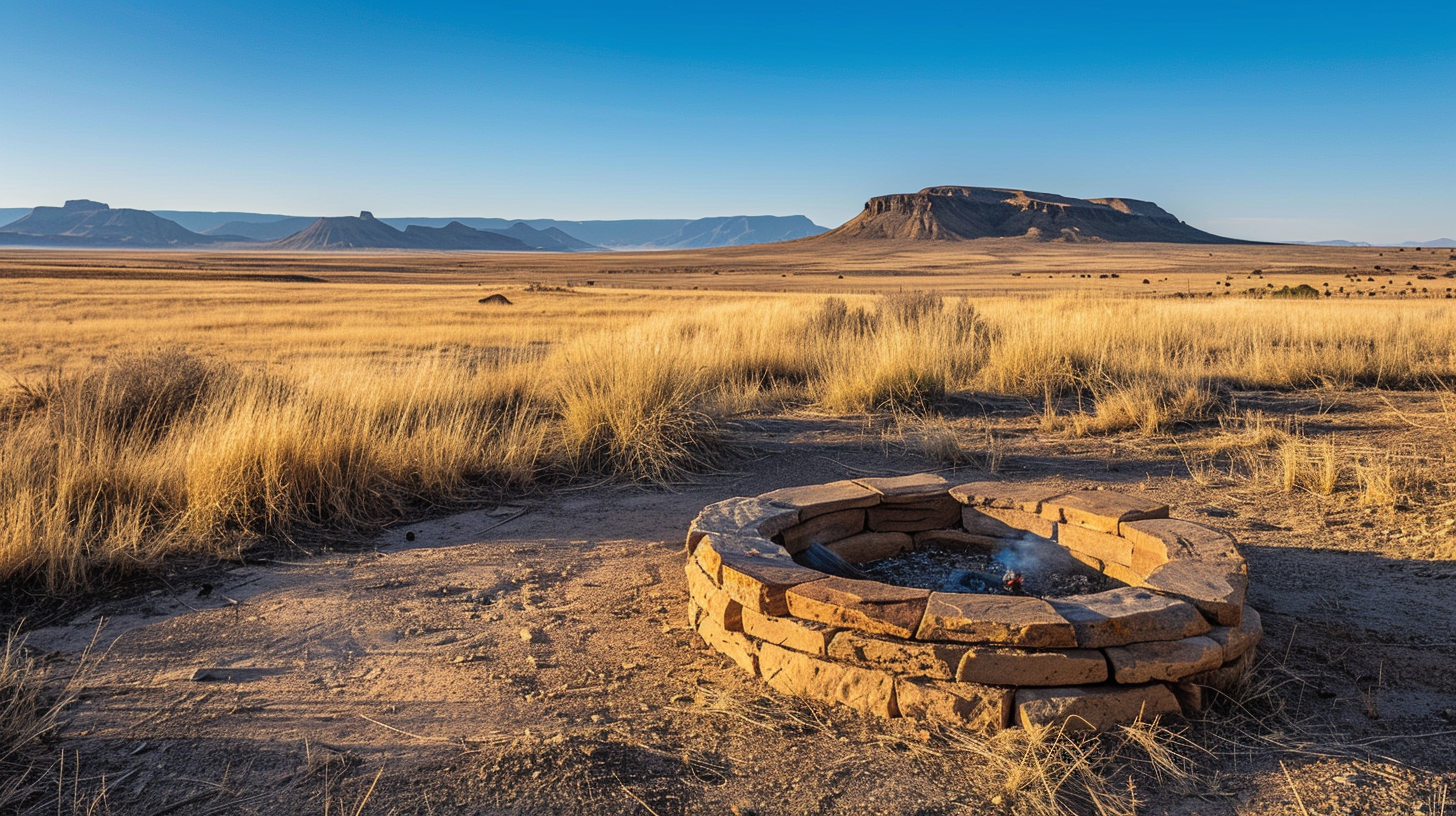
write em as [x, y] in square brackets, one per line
[1024, 496]
[995, 619]
[1240, 639]
[866, 547]
[1217, 591]
[809, 637]
[733, 645]
[712, 601]
[900, 489]
[1170, 539]
[802, 676]
[914, 516]
[1105, 547]
[742, 516]
[1093, 708]
[714, 546]
[1169, 660]
[905, 658]
[1102, 510]
[760, 583]
[1021, 667]
[816, 500]
[823, 529]
[955, 539]
[868, 606]
[981, 708]
[1118, 617]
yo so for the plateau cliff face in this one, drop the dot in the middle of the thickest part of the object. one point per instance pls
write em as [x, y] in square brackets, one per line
[91, 223]
[967, 213]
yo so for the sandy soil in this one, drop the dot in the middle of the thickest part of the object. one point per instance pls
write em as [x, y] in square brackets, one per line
[532, 658]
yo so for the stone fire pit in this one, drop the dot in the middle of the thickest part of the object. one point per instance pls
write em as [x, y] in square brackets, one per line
[1172, 634]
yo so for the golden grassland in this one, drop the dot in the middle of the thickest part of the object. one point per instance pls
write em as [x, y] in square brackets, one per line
[191, 403]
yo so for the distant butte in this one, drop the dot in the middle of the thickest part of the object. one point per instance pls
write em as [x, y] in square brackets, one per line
[968, 213]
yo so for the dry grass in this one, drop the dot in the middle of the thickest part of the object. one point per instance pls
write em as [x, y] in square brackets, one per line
[31, 705]
[346, 412]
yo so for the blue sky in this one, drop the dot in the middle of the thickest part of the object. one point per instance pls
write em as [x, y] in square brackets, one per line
[1260, 120]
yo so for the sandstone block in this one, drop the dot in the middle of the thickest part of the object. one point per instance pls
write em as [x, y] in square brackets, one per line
[1024, 496]
[797, 674]
[760, 583]
[955, 539]
[743, 516]
[823, 529]
[981, 708]
[1093, 708]
[1240, 639]
[713, 546]
[1170, 539]
[1102, 546]
[1169, 660]
[1198, 692]
[898, 657]
[1215, 588]
[868, 606]
[816, 500]
[1102, 510]
[733, 645]
[1129, 615]
[1002, 619]
[983, 519]
[912, 517]
[713, 601]
[865, 547]
[809, 637]
[902, 489]
[1020, 667]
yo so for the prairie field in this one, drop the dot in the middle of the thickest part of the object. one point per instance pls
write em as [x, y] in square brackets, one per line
[174, 413]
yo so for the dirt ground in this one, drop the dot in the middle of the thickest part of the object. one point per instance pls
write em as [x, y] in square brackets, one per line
[532, 658]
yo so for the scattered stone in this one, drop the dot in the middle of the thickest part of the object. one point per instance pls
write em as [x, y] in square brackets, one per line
[978, 707]
[1129, 615]
[868, 606]
[1021, 667]
[1093, 708]
[496, 299]
[994, 619]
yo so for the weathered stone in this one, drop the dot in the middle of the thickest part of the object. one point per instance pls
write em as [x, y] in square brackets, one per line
[1024, 496]
[865, 547]
[810, 637]
[868, 606]
[1020, 667]
[912, 517]
[1196, 693]
[1003, 619]
[1118, 617]
[1093, 708]
[903, 489]
[694, 613]
[955, 539]
[823, 529]
[1017, 519]
[816, 500]
[1236, 640]
[1102, 510]
[1173, 539]
[1102, 546]
[980, 708]
[713, 546]
[1216, 589]
[899, 657]
[797, 674]
[714, 602]
[753, 516]
[1118, 572]
[1169, 660]
[760, 583]
[733, 645]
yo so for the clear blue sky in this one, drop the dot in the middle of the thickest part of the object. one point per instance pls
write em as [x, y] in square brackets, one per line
[1260, 120]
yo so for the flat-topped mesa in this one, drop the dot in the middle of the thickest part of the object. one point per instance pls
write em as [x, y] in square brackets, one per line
[968, 213]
